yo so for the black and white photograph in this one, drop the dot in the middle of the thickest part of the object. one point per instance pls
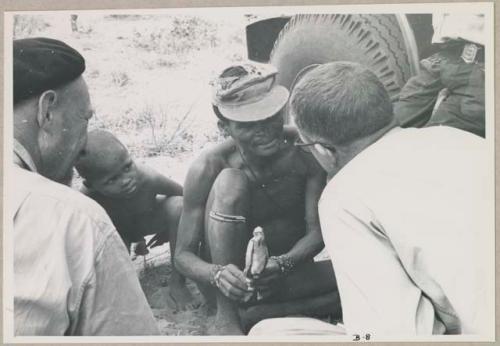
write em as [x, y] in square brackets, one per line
[279, 173]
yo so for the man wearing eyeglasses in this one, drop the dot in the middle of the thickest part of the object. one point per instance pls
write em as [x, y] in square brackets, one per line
[255, 178]
[405, 216]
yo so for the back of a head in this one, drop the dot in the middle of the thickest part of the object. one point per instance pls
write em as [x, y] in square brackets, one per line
[100, 155]
[340, 102]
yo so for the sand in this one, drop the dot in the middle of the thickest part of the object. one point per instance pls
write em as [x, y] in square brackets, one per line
[154, 272]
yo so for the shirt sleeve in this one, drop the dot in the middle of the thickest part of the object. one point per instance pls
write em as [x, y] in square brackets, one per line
[377, 296]
[113, 302]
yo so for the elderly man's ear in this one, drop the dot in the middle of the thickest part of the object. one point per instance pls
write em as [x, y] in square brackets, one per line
[46, 106]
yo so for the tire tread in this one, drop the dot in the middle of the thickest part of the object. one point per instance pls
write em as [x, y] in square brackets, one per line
[377, 36]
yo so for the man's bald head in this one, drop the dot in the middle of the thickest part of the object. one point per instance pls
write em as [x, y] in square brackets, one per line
[102, 153]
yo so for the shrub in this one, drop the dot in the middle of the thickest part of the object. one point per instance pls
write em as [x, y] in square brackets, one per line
[26, 26]
[182, 36]
[119, 78]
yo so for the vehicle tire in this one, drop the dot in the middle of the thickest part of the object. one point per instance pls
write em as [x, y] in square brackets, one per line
[373, 40]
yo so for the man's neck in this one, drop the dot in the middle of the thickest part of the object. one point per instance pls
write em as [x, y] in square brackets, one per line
[26, 134]
[350, 151]
[27, 155]
[257, 161]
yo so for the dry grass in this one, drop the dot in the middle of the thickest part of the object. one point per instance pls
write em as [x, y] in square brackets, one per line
[148, 74]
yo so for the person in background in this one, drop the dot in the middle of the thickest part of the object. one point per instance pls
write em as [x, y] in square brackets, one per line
[72, 275]
[449, 90]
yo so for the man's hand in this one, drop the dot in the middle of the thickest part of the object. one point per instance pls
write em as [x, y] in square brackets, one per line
[268, 279]
[233, 283]
[158, 239]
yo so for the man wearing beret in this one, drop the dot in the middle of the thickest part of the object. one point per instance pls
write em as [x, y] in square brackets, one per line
[255, 178]
[72, 274]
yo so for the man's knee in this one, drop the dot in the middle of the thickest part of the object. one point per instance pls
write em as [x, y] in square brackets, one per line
[231, 189]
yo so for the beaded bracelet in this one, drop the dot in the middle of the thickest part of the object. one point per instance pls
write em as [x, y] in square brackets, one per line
[215, 272]
[285, 263]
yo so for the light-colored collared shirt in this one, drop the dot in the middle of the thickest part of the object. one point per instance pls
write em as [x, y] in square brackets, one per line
[406, 224]
[448, 26]
[72, 273]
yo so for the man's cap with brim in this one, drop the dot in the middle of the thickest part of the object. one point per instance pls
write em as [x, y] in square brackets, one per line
[42, 64]
[247, 92]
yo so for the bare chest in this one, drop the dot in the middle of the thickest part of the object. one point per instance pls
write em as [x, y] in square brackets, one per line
[278, 189]
[278, 198]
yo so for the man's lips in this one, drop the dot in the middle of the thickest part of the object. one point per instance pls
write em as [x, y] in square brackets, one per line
[267, 144]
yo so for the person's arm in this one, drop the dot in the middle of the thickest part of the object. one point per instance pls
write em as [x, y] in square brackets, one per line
[162, 184]
[197, 187]
[113, 302]
[191, 225]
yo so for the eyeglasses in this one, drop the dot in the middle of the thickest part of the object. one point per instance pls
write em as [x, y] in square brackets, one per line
[306, 146]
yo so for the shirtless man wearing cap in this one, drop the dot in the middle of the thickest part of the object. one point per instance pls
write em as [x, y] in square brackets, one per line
[255, 178]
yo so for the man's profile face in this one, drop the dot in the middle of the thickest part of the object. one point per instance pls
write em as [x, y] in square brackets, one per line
[261, 138]
[65, 136]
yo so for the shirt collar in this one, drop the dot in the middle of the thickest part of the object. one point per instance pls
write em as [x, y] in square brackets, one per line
[22, 157]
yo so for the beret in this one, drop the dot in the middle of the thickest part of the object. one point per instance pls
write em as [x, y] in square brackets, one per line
[41, 64]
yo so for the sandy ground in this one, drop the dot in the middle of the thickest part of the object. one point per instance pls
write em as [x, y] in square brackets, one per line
[155, 268]
[154, 271]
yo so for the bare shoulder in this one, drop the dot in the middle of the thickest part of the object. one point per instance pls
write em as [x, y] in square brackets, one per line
[205, 169]
[145, 170]
[212, 160]
[148, 174]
